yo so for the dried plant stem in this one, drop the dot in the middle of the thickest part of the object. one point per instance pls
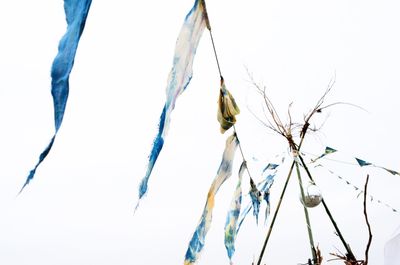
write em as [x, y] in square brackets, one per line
[350, 254]
[366, 220]
[309, 230]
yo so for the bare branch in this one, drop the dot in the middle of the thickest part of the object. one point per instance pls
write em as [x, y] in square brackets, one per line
[366, 220]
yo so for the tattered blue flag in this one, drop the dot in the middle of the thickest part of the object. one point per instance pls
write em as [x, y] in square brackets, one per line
[362, 163]
[328, 150]
[76, 12]
[179, 78]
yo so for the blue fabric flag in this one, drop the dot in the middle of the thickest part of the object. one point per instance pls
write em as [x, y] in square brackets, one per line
[362, 163]
[76, 12]
[181, 74]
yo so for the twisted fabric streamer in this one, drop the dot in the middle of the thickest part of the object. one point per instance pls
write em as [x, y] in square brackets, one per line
[227, 108]
[181, 73]
[231, 224]
[224, 172]
[76, 12]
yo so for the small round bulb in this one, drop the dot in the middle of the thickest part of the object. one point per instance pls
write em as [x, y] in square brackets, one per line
[312, 196]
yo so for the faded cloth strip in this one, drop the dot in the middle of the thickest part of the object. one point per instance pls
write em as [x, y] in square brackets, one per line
[179, 78]
[231, 224]
[76, 12]
[224, 172]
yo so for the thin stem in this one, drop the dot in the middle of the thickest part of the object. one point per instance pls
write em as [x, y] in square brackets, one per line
[347, 246]
[366, 220]
[310, 235]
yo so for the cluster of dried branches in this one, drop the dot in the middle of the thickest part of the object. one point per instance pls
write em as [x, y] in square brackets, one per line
[289, 131]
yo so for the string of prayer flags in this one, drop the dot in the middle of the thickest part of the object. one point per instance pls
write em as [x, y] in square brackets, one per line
[360, 162]
[224, 172]
[359, 190]
[227, 108]
[363, 163]
[179, 78]
[231, 224]
[76, 12]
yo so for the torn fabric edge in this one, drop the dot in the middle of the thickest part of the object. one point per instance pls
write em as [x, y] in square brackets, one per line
[231, 223]
[76, 12]
[264, 187]
[258, 192]
[179, 78]
[224, 172]
[256, 197]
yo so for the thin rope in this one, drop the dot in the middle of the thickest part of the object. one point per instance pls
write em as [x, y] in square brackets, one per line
[234, 127]
[215, 53]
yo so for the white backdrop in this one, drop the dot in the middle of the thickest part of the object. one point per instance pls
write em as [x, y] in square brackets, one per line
[79, 208]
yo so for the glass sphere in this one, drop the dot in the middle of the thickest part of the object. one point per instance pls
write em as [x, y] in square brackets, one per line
[312, 196]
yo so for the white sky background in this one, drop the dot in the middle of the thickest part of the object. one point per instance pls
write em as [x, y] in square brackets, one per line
[79, 208]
